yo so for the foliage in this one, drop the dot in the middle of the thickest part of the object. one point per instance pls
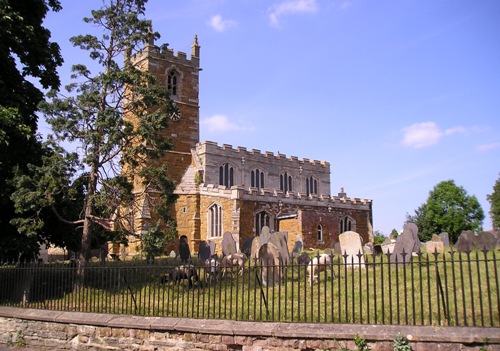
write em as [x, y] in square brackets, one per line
[26, 55]
[378, 237]
[401, 343]
[96, 118]
[362, 344]
[394, 234]
[448, 209]
[494, 199]
[154, 240]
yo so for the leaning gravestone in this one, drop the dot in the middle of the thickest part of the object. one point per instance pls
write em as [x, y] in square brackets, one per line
[350, 244]
[445, 238]
[264, 235]
[228, 244]
[279, 239]
[408, 242]
[368, 249]
[269, 265]
[466, 241]
[486, 241]
[247, 247]
[254, 251]
[297, 247]
[184, 252]
[377, 249]
[204, 251]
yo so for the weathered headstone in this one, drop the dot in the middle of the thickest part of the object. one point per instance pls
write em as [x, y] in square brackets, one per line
[466, 241]
[213, 247]
[184, 252]
[172, 254]
[350, 245]
[247, 247]
[204, 251]
[368, 249]
[264, 235]
[254, 251]
[435, 245]
[279, 239]
[269, 265]
[408, 242]
[297, 248]
[303, 259]
[336, 249]
[228, 244]
[445, 238]
[377, 249]
[486, 241]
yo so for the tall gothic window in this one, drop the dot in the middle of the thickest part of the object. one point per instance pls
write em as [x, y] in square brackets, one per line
[261, 219]
[286, 182]
[226, 175]
[346, 224]
[320, 232]
[257, 179]
[311, 186]
[215, 221]
[172, 83]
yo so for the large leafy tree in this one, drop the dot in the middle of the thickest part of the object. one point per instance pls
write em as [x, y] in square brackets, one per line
[494, 199]
[115, 117]
[26, 55]
[448, 209]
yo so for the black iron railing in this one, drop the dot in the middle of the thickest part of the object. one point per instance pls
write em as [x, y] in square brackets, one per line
[455, 289]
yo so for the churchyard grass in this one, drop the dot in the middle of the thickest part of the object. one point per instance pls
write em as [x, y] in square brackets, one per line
[456, 289]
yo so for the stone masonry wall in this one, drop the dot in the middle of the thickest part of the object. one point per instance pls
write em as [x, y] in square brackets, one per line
[60, 331]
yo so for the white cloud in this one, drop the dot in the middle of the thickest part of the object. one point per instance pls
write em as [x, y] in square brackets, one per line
[220, 123]
[219, 24]
[424, 134]
[290, 7]
[487, 147]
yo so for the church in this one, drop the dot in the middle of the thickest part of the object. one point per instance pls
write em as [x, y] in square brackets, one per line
[225, 188]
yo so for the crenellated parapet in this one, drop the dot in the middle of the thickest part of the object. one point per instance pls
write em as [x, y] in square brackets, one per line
[163, 53]
[329, 202]
[210, 147]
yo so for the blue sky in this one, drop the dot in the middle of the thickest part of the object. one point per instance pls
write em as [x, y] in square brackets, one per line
[397, 95]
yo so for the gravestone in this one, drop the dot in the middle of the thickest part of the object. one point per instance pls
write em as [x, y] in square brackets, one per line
[254, 251]
[408, 242]
[368, 249]
[228, 244]
[435, 245]
[466, 241]
[303, 259]
[172, 254]
[264, 235]
[247, 247]
[336, 249]
[445, 238]
[204, 252]
[184, 252]
[377, 249]
[269, 265]
[350, 245]
[486, 241]
[213, 246]
[279, 239]
[297, 248]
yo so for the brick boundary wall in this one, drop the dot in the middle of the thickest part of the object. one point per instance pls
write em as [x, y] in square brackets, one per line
[60, 331]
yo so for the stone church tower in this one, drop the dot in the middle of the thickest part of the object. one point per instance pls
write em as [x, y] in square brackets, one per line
[225, 189]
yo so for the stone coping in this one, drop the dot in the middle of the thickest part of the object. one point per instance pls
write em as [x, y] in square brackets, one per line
[369, 332]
